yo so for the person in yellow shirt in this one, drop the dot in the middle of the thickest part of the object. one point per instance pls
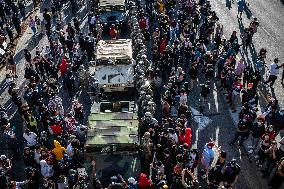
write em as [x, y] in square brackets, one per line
[161, 6]
[58, 150]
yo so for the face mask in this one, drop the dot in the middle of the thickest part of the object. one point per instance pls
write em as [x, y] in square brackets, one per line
[270, 129]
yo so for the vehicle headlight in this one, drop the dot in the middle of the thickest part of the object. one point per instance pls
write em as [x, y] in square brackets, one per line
[123, 85]
[104, 86]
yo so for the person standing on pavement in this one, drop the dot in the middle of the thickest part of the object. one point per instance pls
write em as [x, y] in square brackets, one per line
[9, 31]
[271, 159]
[31, 138]
[47, 22]
[240, 68]
[241, 6]
[11, 64]
[242, 131]
[17, 23]
[254, 25]
[207, 157]
[231, 174]
[38, 25]
[32, 25]
[236, 90]
[257, 131]
[274, 71]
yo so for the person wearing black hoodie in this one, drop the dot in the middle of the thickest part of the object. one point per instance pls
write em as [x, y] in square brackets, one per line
[257, 130]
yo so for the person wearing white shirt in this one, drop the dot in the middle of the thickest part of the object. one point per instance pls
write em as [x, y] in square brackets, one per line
[274, 71]
[30, 137]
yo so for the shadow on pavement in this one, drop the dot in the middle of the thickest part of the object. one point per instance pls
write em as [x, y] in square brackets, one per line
[247, 11]
[253, 52]
[3, 86]
[241, 25]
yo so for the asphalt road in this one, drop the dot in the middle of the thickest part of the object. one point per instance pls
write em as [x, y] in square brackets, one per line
[270, 15]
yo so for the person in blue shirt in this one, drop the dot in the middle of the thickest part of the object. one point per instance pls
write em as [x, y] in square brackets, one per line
[241, 7]
[207, 158]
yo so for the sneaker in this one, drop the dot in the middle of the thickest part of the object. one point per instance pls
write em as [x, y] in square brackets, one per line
[250, 151]
[256, 156]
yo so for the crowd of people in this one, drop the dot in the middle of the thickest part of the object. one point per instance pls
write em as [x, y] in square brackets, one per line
[179, 48]
[188, 51]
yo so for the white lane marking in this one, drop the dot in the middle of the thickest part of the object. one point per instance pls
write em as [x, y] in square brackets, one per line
[194, 145]
[217, 135]
[215, 96]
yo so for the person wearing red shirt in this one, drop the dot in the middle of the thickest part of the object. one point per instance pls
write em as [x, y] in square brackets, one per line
[270, 131]
[144, 182]
[55, 129]
[63, 66]
[185, 136]
[143, 23]
[163, 45]
[113, 32]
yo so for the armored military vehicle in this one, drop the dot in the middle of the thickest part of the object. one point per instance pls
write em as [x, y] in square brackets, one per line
[113, 67]
[113, 139]
[113, 12]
